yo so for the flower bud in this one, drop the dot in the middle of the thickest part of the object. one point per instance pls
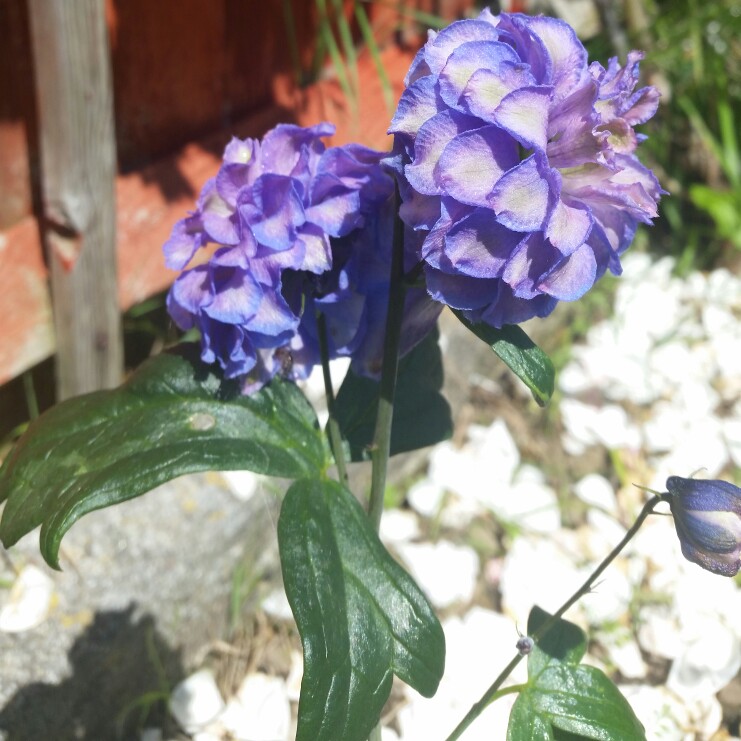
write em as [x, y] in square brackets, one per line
[707, 515]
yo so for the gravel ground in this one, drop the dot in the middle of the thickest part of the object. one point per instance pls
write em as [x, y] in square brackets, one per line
[517, 509]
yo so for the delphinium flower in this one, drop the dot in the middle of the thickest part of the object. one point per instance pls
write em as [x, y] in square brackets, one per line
[707, 515]
[517, 159]
[353, 297]
[271, 210]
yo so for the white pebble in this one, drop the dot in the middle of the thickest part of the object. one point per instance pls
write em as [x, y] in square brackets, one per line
[243, 484]
[399, 526]
[445, 572]
[261, 710]
[276, 605]
[535, 570]
[196, 701]
[596, 491]
[426, 497]
[708, 661]
[530, 505]
[29, 601]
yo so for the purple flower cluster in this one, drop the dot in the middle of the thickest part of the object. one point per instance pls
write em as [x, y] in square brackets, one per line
[517, 159]
[271, 211]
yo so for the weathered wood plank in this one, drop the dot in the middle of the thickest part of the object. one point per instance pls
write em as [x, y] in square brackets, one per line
[78, 158]
[145, 213]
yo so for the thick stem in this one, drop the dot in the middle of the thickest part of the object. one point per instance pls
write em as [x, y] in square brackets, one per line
[382, 435]
[493, 692]
[334, 429]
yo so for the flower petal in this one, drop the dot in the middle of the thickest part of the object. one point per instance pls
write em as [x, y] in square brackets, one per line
[567, 53]
[486, 88]
[572, 277]
[524, 114]
[472, 163]
[431, 140]
[465, 60]
[568, 226]
[521, 197]
[479, 246]
[460, 32]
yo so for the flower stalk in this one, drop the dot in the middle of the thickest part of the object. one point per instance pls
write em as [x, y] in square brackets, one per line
[382, 435]
[335, 437]
[494, 691]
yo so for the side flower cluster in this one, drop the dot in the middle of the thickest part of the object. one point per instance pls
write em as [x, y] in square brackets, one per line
[517, 159]
[277, 211]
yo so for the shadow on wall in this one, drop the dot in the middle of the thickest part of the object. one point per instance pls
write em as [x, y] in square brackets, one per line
[122, 671]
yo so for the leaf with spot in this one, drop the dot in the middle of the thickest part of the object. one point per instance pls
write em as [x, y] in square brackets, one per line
[361, 617]
[564, 699]
[174, 415]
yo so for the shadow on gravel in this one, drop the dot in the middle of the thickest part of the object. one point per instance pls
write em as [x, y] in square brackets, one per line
[122, 671]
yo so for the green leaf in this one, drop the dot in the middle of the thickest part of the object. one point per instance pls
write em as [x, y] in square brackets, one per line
[421, 413]
[524, 358]
[361, 617]
[563, 643]
[175, 415]
[564, 699]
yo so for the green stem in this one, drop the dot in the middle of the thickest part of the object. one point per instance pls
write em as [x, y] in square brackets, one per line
[381, 448]
[382, 436]
[493, 692]
[335, 437]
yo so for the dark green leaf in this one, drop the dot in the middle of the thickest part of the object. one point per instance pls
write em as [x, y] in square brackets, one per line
[524, 358]
[564, 699]
[421, 413]
[563, 642]
[361, 617]
[175, 415]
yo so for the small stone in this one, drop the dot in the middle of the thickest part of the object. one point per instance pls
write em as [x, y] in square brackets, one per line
[426, 497]
[732, 434]
[670, 718]
[589, 425]
[530, 505]
[243, 484]
[603, 533]
[658, 632]
[597, 491]
[708, 662]
[261, 710]
[399, 526]
[609, 599]
[276, 605]
[29, 601]
[196, 701]
[295, 675]
[445, 572]
[536, 570]
[624, 653]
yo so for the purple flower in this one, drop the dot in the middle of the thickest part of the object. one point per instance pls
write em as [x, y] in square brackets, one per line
[517, 160]
[353, 298]
[271, 210]
[707, 515]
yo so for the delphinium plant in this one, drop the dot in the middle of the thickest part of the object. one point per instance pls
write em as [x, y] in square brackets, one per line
[512, 185]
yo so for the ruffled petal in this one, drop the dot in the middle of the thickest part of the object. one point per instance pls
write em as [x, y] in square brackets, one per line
[522, 196]
[472, 163]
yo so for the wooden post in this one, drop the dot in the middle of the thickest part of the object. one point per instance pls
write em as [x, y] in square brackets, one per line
[78, 168]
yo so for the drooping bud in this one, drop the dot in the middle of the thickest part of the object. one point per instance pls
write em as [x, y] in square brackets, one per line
[707, 515]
